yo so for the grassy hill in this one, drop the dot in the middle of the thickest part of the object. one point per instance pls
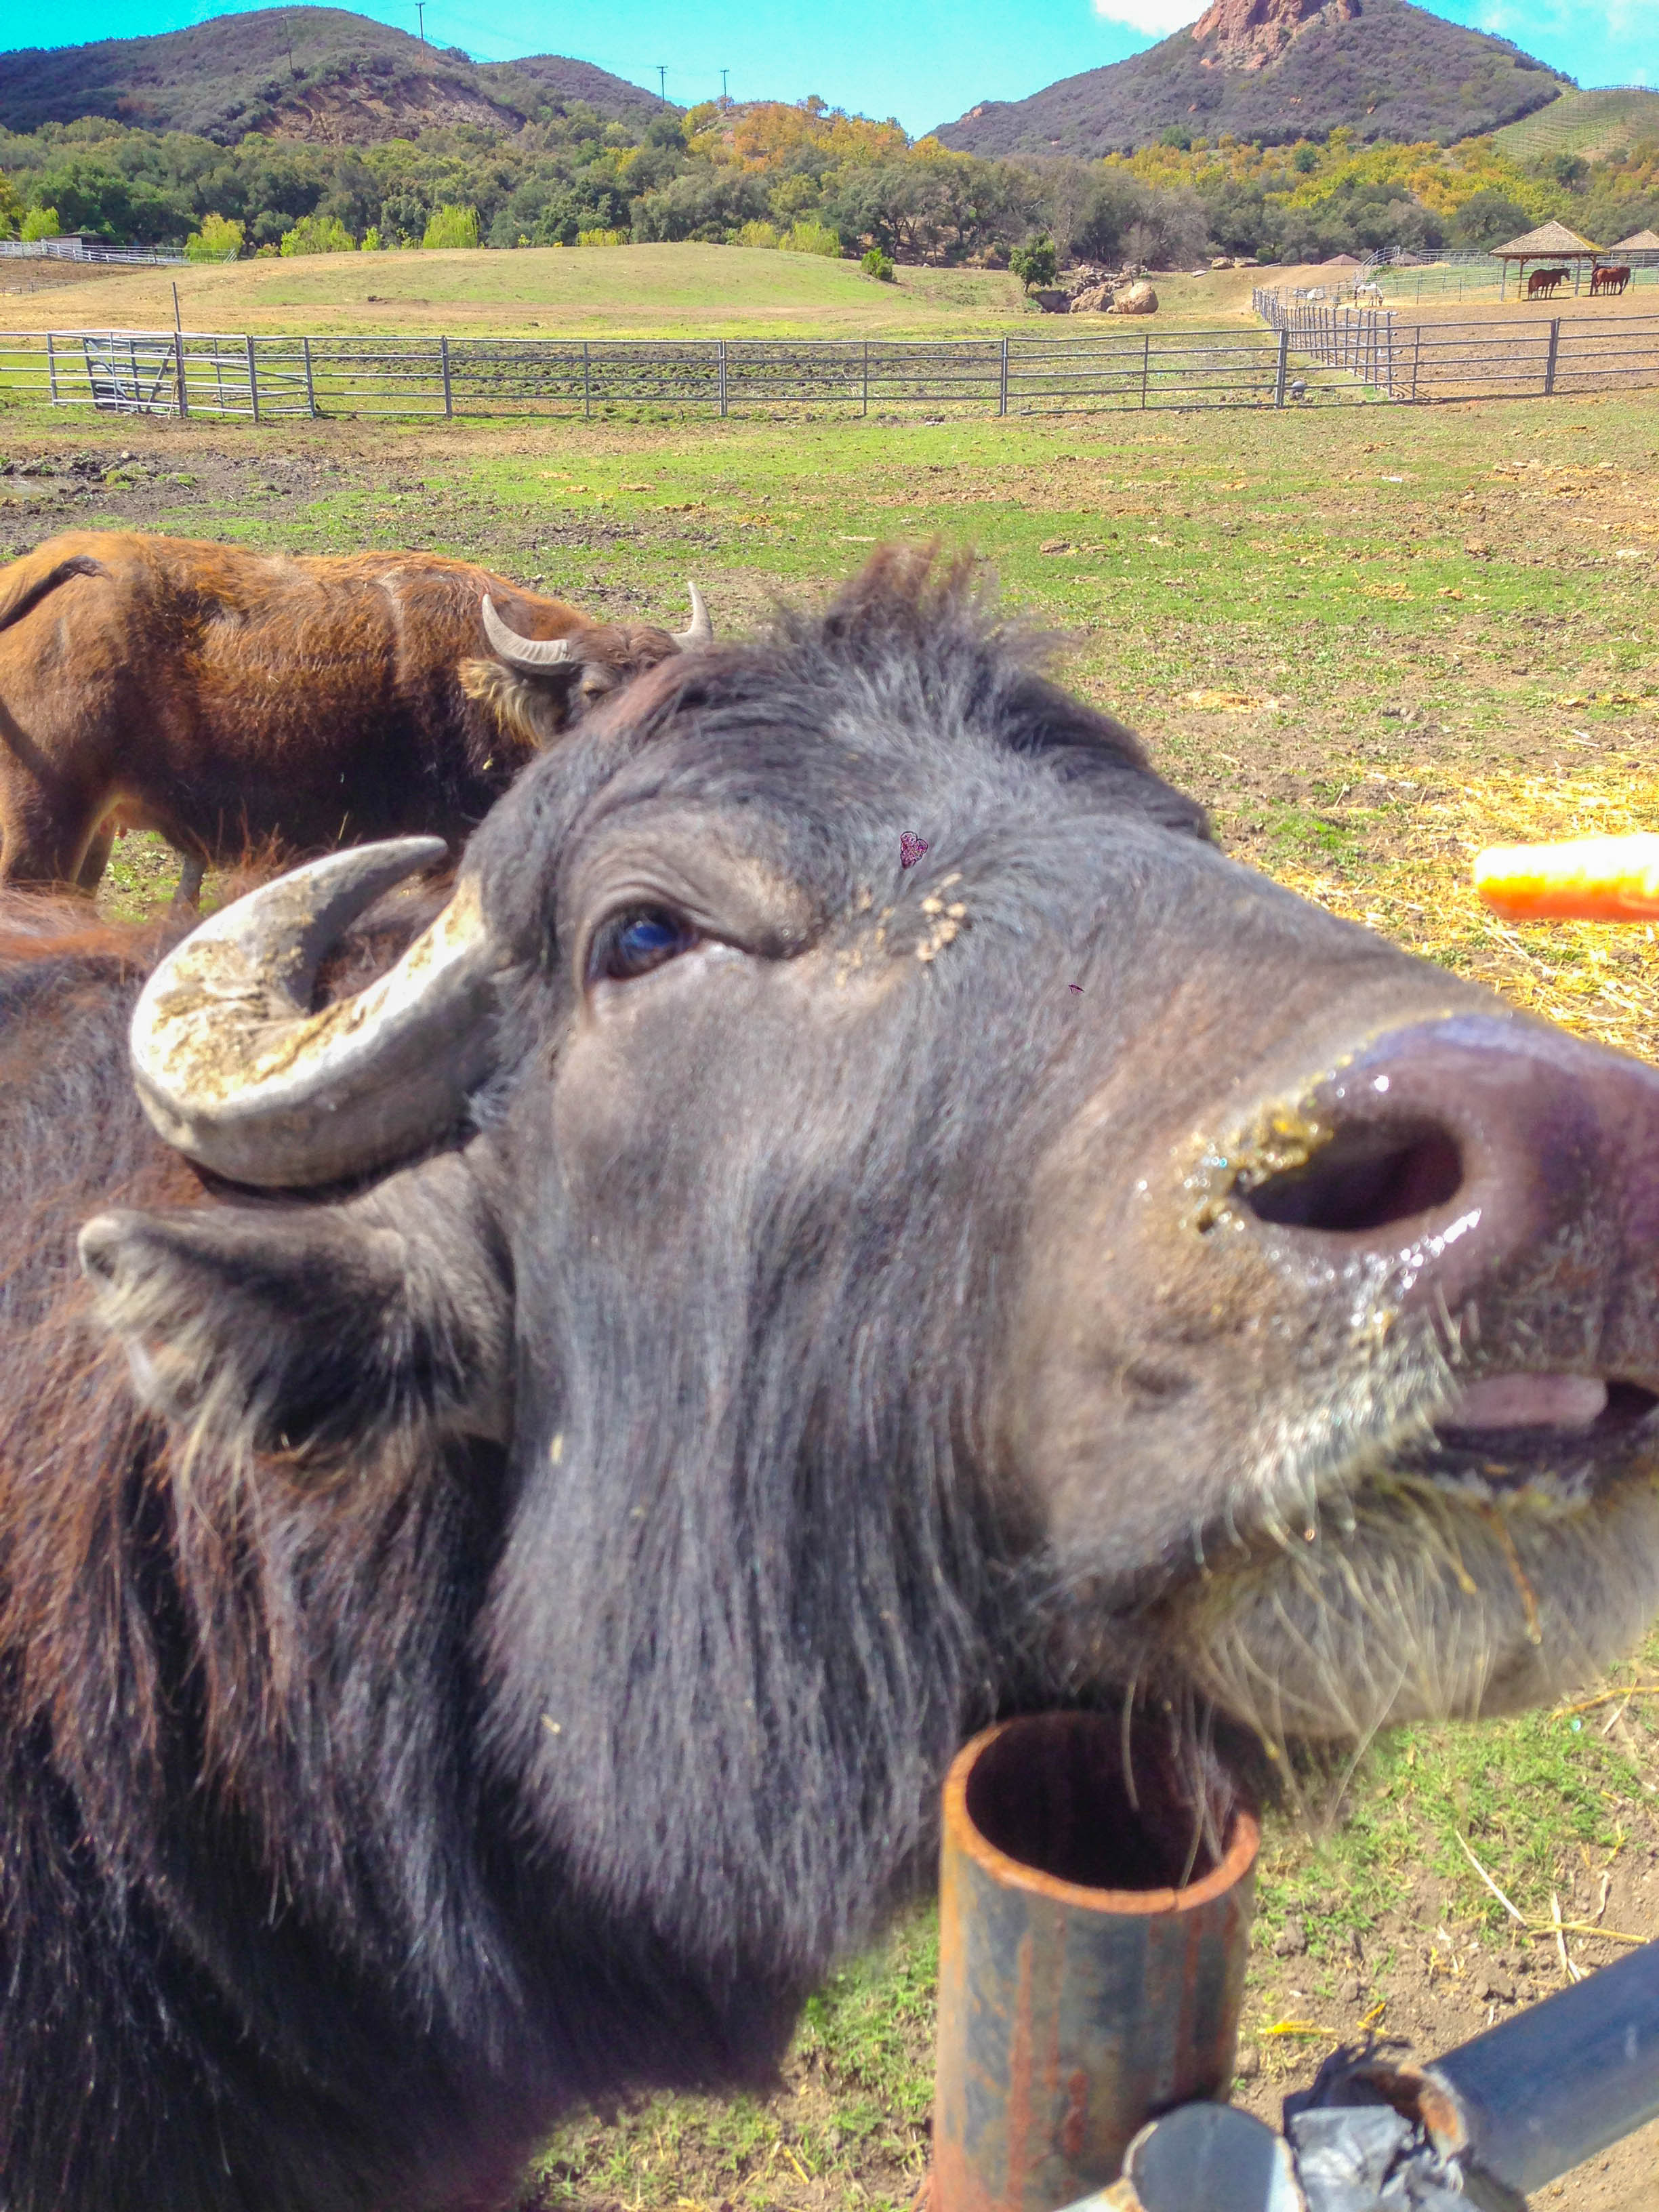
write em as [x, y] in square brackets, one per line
[1386, 69]
[1593, 124]
[592, 292]
[318, 73]
[680, 291]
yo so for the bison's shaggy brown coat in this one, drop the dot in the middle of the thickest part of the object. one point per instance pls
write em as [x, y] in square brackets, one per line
[238, 701]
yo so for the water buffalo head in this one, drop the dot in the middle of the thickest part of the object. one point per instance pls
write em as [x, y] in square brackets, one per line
[1068, 1265]
[535, 687]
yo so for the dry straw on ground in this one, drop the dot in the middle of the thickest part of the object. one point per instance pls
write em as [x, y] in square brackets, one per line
[1599, 978]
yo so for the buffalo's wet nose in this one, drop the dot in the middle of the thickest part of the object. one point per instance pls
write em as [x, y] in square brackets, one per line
[1471, 1140]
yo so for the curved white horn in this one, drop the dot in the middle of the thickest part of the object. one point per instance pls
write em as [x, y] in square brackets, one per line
[234, 1070]
[518, 652]
[702, 631]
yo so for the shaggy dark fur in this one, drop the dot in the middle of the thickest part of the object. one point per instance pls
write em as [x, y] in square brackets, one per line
[524, 1647]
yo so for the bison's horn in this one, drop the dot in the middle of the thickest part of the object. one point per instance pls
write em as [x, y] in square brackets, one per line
[702, 631]
[528, 653]
[234, 1070]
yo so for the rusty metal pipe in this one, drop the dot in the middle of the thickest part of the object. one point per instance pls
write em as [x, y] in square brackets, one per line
[1087, 1979]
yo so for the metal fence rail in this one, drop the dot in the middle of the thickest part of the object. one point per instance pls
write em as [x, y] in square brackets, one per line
[1517, 358]
[1403, 287]
[1359, 341]
[1146, 368]
[76, 249]
[198, 373]
[1310, 353]
[1546, 358]
[159, 373]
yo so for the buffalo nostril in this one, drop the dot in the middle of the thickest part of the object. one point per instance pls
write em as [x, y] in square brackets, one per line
[1370, 1176]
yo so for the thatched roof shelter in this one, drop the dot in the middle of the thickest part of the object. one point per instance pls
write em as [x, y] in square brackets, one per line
[1551, 241]
[1551, 244]
[1641, 251]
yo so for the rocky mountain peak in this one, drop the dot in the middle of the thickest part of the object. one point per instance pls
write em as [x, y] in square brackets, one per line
[1249, 34]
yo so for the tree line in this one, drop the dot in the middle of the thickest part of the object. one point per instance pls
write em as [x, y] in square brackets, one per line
[803, 176]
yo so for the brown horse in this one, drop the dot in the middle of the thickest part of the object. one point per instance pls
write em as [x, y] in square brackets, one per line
[1606, 279]
[1543, 282]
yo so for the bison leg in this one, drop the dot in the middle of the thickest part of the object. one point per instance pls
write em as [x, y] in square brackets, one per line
[95, 860]
[188, 892]
[44, 844]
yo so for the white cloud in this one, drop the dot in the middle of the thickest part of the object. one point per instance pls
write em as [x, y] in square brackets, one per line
[1160, 17]
[1566, 19]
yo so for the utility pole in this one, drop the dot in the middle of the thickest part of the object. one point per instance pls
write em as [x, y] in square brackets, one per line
[288, 33]
[419, 12]
[723, 75]
[661, 68]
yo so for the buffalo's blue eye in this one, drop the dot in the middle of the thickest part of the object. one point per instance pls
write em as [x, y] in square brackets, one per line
[637, 943]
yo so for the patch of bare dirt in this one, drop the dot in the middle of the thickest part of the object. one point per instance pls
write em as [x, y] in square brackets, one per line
[1432, 1982]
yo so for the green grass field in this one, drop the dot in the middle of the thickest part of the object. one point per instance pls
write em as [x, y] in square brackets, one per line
[1594, 123]
[1371, 642]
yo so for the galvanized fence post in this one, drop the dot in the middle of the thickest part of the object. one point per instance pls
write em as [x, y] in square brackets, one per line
[866, 409]
[721, 344]
[1282, 371]
[252, 376]
[587, 382]
[51, 368]
[178, 365]
[1002, 387]
[1145, 364]
[443, 358]
[1549, 359]
[311, 389]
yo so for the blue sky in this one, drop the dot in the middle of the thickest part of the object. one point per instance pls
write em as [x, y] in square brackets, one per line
[924, 61]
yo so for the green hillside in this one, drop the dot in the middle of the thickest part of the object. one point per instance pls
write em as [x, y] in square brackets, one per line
[1592, 124]
[316, 73]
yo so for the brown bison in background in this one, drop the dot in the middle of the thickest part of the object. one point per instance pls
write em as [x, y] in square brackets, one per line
[235, 700]
[719, 1318]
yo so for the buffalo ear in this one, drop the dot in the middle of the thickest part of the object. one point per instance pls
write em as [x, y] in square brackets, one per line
[317, 1330]
[530, 707]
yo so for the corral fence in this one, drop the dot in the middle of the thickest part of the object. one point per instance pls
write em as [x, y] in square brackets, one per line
[1309, 355]
[79, 249]
[167, 372]
[1540, 358]
[1382, 284]
[1359, 340]
[1414, 284]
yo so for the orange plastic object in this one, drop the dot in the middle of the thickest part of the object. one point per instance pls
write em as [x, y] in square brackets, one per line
[1588, 879]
